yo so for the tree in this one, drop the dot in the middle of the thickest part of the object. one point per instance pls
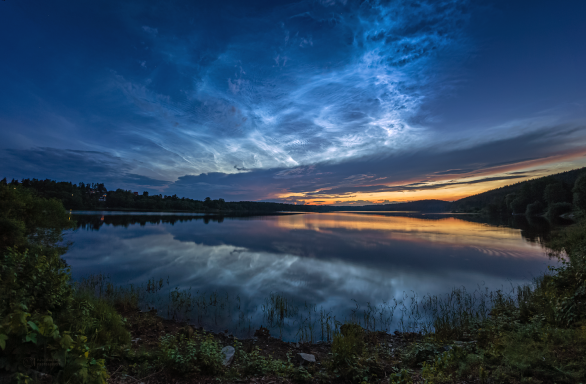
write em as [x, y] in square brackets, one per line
[534, 209]
[554, 193]
[509, 199]
[519, 205]
[579, 192]
[558, 209]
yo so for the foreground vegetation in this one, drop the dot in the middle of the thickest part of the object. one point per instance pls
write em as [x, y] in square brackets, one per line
[55, 330]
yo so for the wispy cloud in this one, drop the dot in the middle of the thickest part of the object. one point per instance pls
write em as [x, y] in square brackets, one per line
[340, 81]
[284, 100]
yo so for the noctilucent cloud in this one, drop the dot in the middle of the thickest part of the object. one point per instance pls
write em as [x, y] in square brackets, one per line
[313, 101]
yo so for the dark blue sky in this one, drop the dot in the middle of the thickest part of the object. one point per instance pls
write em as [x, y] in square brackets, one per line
[321, 100]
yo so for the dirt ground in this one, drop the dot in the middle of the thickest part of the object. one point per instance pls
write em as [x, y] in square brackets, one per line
[147, 328]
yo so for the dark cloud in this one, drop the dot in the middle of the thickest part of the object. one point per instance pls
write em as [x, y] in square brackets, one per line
[526, 173]
[344, 180]
[454, 172]
[258, 99]
[334, 193]
[75, 166]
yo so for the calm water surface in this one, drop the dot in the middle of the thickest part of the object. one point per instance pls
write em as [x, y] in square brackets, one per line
[326, 259]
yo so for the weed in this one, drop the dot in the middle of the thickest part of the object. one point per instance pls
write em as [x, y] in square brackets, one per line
[255, 364]
[202, 354]
[401, 377]
[350, 359]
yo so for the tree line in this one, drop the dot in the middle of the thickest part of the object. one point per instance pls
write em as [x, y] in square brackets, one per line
[94, 196]
[551, 195]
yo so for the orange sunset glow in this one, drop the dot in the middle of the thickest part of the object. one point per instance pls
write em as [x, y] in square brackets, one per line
[454, 188]
[376, 229]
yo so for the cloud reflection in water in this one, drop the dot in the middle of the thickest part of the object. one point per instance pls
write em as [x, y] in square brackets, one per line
[326, 259]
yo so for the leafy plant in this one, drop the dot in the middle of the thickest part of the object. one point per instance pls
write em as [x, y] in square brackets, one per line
[401, 377]
[25, 338]
[202, 354]
[349, 358]
[255, 364]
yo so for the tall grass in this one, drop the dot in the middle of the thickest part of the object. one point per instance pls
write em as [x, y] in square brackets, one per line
[446, 315]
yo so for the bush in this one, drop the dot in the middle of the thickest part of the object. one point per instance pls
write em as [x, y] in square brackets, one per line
[254, 364]
[401, 377]
[184, 355]
[579, 192]
[534, 209]
[554, 193]
[558, 209]
[38, 279]
[519, 205]
[26, 219]
[97, 318]
[37, 299]
[350, 360]
[25, 339]
[537, 336]
[348, 345]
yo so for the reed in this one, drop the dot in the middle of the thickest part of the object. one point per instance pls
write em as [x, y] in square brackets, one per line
[448, 315]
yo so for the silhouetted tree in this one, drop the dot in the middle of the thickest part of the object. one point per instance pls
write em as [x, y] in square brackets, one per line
[579, 192]
[534, 208]
[554, 193]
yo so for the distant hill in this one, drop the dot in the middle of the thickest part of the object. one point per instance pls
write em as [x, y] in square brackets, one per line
[533, 197]
[420, 205]
[534, 189]
[505, 200]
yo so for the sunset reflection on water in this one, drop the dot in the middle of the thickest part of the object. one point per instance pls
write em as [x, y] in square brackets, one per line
[448, 231]
[328, 259]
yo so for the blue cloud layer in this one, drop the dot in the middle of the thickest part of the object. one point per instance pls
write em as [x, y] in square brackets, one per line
[164, 93]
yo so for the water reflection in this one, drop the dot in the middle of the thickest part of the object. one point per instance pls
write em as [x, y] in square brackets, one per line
[324, 258]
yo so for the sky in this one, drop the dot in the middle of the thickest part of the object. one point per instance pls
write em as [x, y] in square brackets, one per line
[303, 101]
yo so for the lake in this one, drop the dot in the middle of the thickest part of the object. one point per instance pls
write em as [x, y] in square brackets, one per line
[337, 263]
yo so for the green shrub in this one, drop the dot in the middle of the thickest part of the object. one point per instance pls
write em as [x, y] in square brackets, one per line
[255, 364]
[519, 205]
[554, 193]
[449, 365]
[36, 294]
[401, 377]
[202, 354]
[420, 352]
[25, 339]
[26, 219]
[558, 209]
[579, 192]
[534, 209]
[350, 359]
[97, 318]
[37, 279]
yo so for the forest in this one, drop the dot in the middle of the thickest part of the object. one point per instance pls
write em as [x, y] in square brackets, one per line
[552, 196]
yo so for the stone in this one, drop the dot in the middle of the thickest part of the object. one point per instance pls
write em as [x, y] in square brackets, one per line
[305, 358]
[228, 354]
